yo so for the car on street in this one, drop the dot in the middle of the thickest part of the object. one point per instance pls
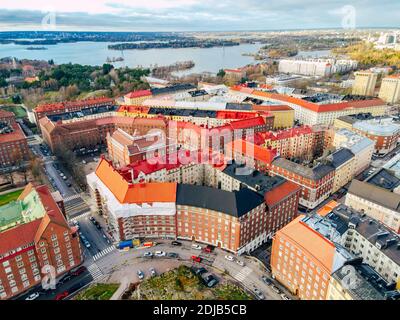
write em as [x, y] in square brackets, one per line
[33, 296]
[172, 255]
[196, 259]
[148, 255]
[65, 279]
[285, 297]
[266, 280]
[276, 289]
[140, 274]
[160, 254]
[79, 271]
[240, 263]
[176, 243]
[229, 258]
[196, 246]
[153, 272]
[259, 294]
[209, 249]
[62, 295]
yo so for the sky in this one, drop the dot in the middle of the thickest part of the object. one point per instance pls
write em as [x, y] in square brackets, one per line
[196, 15]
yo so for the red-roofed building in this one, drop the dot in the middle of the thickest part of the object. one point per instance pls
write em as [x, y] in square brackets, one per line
[69, 106]
[310, 113]
[13, 144]
[135, 98]
[42, 237]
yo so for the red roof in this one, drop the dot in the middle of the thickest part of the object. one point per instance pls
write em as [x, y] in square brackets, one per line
[6, 114]
[138, 94]
[247, 148]
[277, 194]
[286, 134]
[134, 109]
[247, 123]
[72, 104]
[16, 135]
[314, 106]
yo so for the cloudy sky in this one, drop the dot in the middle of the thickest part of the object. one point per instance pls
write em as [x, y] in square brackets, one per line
[196, 15]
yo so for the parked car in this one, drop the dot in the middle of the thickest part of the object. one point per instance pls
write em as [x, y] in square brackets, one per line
[140, 274]
[79, 271]
[285, 297]
[33, 296]
[211, 281]
[259, 294]
[153, 272]
[65, 279]
[196, 246]
[172, 255]
[240, 263]
[62, 295]
[159, 254]
[148, 254]
[276, 289]
[200, 271]
[209, 249]
[196, 259]
[266, 280]
[229, 258]
[176, 243]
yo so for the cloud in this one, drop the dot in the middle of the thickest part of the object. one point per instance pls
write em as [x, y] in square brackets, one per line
[194, 15]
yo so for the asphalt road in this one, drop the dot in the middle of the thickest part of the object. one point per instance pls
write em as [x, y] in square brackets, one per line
[93, 235]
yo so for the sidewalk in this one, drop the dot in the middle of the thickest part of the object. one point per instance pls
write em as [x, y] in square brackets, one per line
[122, 288]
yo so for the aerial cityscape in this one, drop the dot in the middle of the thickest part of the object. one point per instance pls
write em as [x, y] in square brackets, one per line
[244, 153]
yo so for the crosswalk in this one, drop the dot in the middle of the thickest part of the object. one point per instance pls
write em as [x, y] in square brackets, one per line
[81, 216]
[75, 196]
[95, 271]
[103, 252]
[243, 274]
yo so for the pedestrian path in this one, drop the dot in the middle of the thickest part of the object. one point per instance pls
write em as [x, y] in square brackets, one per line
[83, 215]
[104, 252]
[75, 196]
[95, 271]
[243, 274]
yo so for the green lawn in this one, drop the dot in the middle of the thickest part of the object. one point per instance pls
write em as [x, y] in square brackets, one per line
[8, 197]
[99, 291]
[17, 110]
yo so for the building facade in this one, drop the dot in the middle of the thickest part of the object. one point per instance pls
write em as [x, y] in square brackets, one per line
[364, 83]
[390, 89]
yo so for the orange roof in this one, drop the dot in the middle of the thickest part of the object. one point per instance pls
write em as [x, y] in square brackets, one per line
[317, 107]
[280, 192]
[138, 94]
[134, 193]
[249, 149]
[6, 114]
[134, 109]
[70, 104]
[311, 241]
[326, 209]
[272, 108]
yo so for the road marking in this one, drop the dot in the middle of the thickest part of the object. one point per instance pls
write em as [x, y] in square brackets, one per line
[95, 271]
[80, 216]
[106, 251]
[243, 274]
[75, 196]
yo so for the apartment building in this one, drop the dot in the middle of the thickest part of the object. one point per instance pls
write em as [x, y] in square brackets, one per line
[44, 110]
[343, 162]
[34, 234]
[312, 113]
[244, 213]
[362, 147]
[284, 115]
[375, 201]
[364, 83]
[124, 148]
[305, 253]
[390, 89]
[13, 144]
[135, 98]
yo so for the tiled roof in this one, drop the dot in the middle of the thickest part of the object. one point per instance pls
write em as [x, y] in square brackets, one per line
[272, 108]
[249, 149]
[70, 104]
[16, 135]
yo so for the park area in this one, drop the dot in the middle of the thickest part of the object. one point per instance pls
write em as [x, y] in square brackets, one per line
[8, 197]
[182, 284]
[98, 291]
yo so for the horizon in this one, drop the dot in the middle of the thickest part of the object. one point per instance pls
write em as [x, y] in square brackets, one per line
[197, 16]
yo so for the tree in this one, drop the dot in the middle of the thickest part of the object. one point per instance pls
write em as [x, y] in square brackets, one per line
[221, 73]
[107, 68]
